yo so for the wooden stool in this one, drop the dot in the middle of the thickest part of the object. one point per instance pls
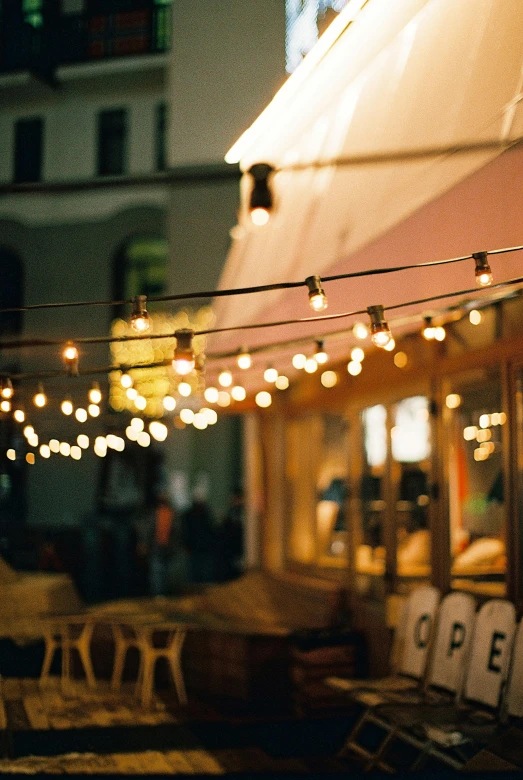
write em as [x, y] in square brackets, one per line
[161, 640]
[69, 633]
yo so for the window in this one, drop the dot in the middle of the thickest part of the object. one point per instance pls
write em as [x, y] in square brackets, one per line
[160, 136]
[28, 150]
[112, 142]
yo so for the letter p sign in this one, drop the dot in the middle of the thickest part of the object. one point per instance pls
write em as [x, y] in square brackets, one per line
[457, 637]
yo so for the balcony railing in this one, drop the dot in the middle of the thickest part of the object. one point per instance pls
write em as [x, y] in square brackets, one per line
[133, 29]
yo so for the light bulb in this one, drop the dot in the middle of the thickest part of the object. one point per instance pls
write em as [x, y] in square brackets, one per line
[82, 440]
[183, 361]
[360, 331]
[200, 421]
[483, 271]
[95, 395]
[428, 329]
[320, 355]
[54, 445]
[211, 394]
[317, 297]
[187, 416]
[224, 399]
[260, 199]
[158, 430]
[185, 389]
[440, 333]
[94, 410]
[5, 405]
[210, 415]
[260, 216]
[310, 366]
[140, 402]
[40, 399]
[357, 354]
[329, 378]
[299, 360]
[28, 431]
[379, 328]
[45, 452]
[270, 374]
[131, 393]
[390, 346]
[7, 389]
[354, 368]
[66, 407]
[70, 356]
[225, 378]
[263, 399]
[140, 320]
[126, 380]
[169, 403]
[244, 360]
[11, 454]
[475, 317]
[238, 393]
[81, 415]
[19, 415]
[76, 452]
[282, 383]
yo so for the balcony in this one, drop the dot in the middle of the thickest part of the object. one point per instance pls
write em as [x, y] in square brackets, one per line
[45, 42]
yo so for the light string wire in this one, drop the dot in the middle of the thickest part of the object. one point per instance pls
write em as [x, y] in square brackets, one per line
[254, 289]
[480, 295]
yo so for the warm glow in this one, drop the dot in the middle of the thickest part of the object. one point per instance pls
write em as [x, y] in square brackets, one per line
[357, 354]
[310, 366]
[33, 440]
[137, 423]
[453, 401]
[19, 415]
[7, 390]
[187, 416]
[70, 353]
[282, 383]
[65, 449]
[360, 331]
[484, 420]
[485, 434]
[484, 279]
[11, 454]
[185, 389]
[381, 337]
[224, 399]
[94, 410]
[299, 360]
[264, 399]
[238, 393]
[126, 380]
[131, 393]
[390, 345]
[475, 317]
[76, 452]
[329, 378]
[30, 458]
[158, 430]
[54, 445]
[169, 403]
[40, 399]
[354, 368]
[95, 395]
[183, 366]
[225, 378]
[5, 406]
[260, 216]
[439, 333]
[82, 440]
[28, 431]
[200, 421]
[210, 415]
[140, 402]
[211, 395]
[400, 359]
[131, 433]
[270, 374]
[244, 360]
[81, 414]
[470, 432]
[66, 407]
[318, 301]
[100, 446]
[141, 323]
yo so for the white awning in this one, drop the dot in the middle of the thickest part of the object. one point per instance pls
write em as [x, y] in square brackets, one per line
[398, 76]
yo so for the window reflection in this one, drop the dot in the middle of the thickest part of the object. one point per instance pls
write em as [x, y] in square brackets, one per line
[370, 553]
[410, 444]
[333, 489]
[476, 490]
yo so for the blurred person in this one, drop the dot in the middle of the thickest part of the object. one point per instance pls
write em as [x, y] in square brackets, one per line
[199, 536]
[230, 539]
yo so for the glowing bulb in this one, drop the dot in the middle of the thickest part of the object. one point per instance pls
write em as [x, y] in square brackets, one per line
[317, 297]
[329, 378]
[260, 199]
[158, 430]
[140, 321]
[94, 410]
[137, 423]
[95, 395]
[5, 406]
[310, 366]
[54, 445]
[131, 393]
[65, 449]
[354, 368]
[187, 416]
[185, 389]
[169, 403]
[200, 421]
[30, 458]
[400, 359]
[379, 328]
[28, 431]
[33, 440]
[453, 400]
[11, 454]
[440, 333]
[244, 360]
[484, 420]
[19, 415]
[270, 374]
[360, 331]
[40, 399]
[263, 399]
[238, 393]
[211, 395]
[183, 361]
[210, 415]
[70, 352]
[126, 380]
[140, 402]
[66, 407]
[82, 440]
[76, 452]
[390, 345]
[7, 389]
[100, 446]
[225, 378]
[224, 399]
[282, 383]
[81, 415]
[299, 360]
[260, 216]
[131, 433]
[475, 317]
[357, 354]
[428, 331]
[483, 271]
[320, 355]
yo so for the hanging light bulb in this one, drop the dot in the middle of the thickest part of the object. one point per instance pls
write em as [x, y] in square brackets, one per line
[19, 415]
[7, 388]
[40, 398]
[185, 389]
[270, 374]
[440, 333]
[390, 346]
[260, 201]
[483, 271]
[95, 395]
[428, 331]
[317, 297]
[299, 360]
[67, 407]
[126, 380]
[70, 356]
[360, 331]
[319, 354]
[379, 328]
[140, 321]
[244, 359]
[183, 361]
[5, 405]
[225, 378]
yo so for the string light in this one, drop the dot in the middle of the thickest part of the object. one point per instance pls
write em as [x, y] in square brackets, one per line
[299, 360]
[19, 415]
[183, 361]
[225, 378]
[28, 431]
[54, 445]
[70, 356]
[475, 317]
[483, 272]
[310, 366]
[169, 403]
[7, 389]
[320, 355]
[126, 380]
[5, 405]
[282, 383]
[100, 446]
[76, 452]
[379, 328]
[83, 441]
[440, 333]
[360, 331]
[11, 454]
[211, 394]
[238, 393]
[357, 354]
[244, 360]
[137, 423]
[40, 398]
[65, 449]
[140, 402]
[354, 368]
[210, 415]
[329, 379]
[263, 399]
[187, 416]
[140, 321]
[260, 201]
[317, 297]
[131, 393]
[67, 407]
[390, 346]
[94, 410]
[185, 389]
[270, 374]
[158, 430]
[45, 452]
[428, 329]
[200, 421]
[95, 395]
[81, 414]
[224, 399]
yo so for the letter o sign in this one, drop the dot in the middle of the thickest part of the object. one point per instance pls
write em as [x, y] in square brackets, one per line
[422, 631]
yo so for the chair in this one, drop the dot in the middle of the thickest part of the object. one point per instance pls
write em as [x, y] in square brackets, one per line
[161, 640]
[68, 633]
[125, 636]
[448, 732]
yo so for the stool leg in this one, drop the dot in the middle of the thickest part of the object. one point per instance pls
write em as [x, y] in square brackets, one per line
[149, 662]
[175, 652]
[84, 650]
[120, 651]
[50, 648]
